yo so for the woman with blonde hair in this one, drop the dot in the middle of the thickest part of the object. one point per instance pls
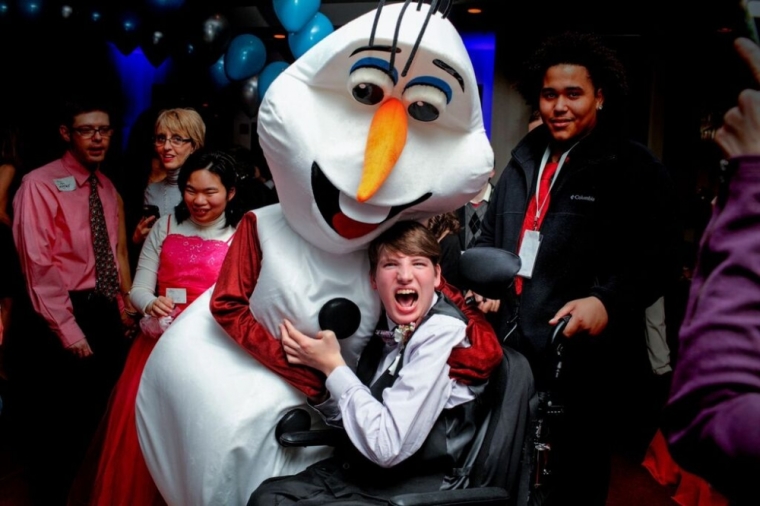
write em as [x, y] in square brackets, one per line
[178, 133]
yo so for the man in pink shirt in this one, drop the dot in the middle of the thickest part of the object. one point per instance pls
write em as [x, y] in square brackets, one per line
[72, 349]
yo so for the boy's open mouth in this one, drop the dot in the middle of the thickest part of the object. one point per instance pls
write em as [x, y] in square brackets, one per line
[406, 297]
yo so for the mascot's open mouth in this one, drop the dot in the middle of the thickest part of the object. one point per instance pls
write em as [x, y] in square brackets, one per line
[327, 196]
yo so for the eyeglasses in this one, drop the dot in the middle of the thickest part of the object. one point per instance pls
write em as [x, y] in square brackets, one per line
[87, 132]
[174, 140]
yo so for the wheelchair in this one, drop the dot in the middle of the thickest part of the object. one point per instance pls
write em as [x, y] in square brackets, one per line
[499, 467]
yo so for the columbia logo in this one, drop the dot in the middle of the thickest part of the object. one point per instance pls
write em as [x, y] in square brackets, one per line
[588, 198]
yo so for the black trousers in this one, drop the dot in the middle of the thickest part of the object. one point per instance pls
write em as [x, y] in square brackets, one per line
[59, 399]
[339, 481]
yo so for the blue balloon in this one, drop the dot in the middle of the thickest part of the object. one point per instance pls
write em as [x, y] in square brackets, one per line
[268, 75]
[218, 75]
[307, 37]
[245, 57]
[294, 14]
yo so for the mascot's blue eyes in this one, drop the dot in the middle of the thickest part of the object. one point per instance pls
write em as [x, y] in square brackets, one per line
[368, 93]
[370, 82]
[422, 111]
[426, 98]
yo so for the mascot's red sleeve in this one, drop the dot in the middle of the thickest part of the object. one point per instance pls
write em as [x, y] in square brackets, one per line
[474, 364]
[230, 307]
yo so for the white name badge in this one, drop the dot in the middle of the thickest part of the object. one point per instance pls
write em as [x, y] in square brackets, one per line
[528, 252]
[178, 295]
[65, 184]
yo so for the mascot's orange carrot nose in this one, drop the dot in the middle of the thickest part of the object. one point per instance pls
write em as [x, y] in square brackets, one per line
[385, 142]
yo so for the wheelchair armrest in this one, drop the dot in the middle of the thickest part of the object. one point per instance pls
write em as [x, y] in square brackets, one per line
[485, 496]
[324, 437]
[293, 429]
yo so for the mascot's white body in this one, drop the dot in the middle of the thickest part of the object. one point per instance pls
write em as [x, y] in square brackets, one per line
[206, 410]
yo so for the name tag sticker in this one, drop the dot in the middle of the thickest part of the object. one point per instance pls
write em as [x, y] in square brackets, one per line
[178, 295]
[66, 184]
[528, 252]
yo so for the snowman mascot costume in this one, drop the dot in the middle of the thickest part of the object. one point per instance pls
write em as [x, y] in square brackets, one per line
[378, 122]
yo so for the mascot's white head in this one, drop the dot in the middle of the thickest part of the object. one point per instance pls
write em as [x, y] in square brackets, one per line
[380, 121]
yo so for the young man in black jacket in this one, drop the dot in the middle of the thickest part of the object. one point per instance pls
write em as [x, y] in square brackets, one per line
[592, 216]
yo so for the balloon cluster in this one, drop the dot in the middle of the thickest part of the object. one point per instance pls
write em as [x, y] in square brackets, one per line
[160, 30]
[242, 62]
[305, 24]
[245, 58]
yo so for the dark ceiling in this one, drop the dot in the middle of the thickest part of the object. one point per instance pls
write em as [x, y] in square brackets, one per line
[693, 43]
[636, 17]
[516, 20]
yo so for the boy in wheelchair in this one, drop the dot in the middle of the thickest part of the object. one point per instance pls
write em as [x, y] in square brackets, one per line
[408, 423]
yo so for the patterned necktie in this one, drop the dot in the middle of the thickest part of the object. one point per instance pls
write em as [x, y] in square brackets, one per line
[106, 275]
[474, 226]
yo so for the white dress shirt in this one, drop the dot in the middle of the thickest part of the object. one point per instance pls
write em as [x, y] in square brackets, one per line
[387, 433]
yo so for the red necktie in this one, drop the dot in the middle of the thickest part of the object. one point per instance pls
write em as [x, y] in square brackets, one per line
[531, 221]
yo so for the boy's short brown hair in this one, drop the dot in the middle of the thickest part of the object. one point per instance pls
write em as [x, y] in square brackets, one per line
[408, 238]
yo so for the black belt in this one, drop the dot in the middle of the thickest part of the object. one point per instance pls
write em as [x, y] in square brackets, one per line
[83, 296]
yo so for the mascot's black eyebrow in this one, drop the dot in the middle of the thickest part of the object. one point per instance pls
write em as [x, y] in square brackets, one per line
[387, 49]
[435, 5]
[450, 70]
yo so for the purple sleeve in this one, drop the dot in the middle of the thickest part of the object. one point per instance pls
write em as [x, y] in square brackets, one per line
[712, 420]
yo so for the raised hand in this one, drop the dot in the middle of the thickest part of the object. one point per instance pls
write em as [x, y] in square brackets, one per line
[740, 133]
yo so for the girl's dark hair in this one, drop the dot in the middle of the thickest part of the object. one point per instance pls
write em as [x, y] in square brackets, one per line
[583, 49]
[216, 162]
[445, 222]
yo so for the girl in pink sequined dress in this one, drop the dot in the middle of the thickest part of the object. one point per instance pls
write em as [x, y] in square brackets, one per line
[182, 256]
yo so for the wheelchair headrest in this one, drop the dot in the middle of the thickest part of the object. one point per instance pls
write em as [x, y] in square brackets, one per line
[488, 271]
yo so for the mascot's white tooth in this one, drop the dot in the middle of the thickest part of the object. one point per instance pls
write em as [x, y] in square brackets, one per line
[365, 213]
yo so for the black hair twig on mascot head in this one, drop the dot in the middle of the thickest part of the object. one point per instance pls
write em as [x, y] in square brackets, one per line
[435, 6]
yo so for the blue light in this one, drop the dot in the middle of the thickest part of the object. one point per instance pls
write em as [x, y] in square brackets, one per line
[165, 5]
[137, 76]
[130, 22]
[30, 8]
[482, 50]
